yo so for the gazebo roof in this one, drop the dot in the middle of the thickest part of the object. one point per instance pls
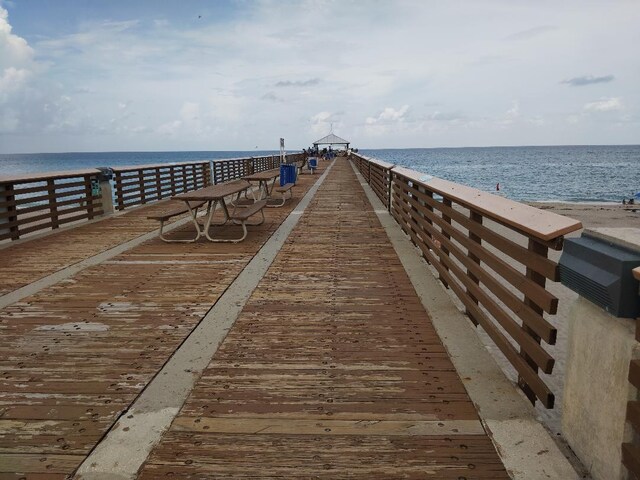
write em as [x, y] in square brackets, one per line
[331, 139]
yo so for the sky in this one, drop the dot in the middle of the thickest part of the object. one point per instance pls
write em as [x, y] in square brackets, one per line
[122, 75]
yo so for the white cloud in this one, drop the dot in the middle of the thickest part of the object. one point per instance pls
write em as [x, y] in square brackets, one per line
[14, 50]
[16, 61]
[604, 105]
[389, 115]
[12, 79]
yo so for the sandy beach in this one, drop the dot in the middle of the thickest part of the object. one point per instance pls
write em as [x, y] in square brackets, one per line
[593, 215]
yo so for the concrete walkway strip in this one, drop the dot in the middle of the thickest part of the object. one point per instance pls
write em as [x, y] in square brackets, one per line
[70, 271]
[525, 447]
[126, 446]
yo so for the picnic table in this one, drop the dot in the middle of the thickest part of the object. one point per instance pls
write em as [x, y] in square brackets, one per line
[214, 195]
[263, 178]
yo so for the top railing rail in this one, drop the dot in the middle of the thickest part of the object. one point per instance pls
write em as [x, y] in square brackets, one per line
[492, 252]
[43, 176]
[131, 168]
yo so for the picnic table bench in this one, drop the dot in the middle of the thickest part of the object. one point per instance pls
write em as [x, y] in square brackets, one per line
[176, 210]
[212, 196]
[287, 187]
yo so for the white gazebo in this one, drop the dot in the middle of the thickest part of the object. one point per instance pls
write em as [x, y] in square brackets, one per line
[332, 139]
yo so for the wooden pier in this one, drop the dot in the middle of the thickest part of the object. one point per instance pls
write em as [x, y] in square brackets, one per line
[333, 368]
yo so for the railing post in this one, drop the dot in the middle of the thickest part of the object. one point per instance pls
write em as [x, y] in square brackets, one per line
[446, 218]
[535, 248]
[388, 177]
[391, 180]
[143, 196]
[119, 192]
[53, 203]
[158, 184]
[172, 175]
[477, 218]
[10, 208]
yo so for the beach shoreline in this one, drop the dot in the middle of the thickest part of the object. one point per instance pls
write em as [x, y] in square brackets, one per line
[593, 215]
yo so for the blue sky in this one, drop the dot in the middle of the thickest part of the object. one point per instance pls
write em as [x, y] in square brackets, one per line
[230, 75]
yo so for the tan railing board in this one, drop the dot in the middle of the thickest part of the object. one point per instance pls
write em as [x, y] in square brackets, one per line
[148, 166]
[147, 183]
[34, 177]
[539, 224]
[44, 201]
[631, 450]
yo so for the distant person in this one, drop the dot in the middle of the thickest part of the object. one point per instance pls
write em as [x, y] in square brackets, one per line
[497, 187]
[632, 201]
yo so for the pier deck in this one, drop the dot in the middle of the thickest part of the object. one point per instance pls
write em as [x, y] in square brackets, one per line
[332, 368]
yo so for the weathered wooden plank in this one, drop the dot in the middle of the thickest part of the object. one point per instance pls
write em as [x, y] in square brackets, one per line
[332, 370]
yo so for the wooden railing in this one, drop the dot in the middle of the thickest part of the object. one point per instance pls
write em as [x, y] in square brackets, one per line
[362, 163]
[231, 169]
[234, 168]
[380, 180]
[492, 253]
[46, 201]
[631, 450]
[140, 184]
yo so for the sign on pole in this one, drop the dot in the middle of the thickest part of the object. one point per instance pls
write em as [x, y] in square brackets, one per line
[282, 150]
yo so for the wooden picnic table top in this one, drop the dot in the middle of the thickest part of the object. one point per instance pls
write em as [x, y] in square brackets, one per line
[214, 192]
[265, 175]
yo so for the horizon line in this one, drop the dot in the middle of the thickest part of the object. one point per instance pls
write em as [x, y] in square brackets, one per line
[300, 149]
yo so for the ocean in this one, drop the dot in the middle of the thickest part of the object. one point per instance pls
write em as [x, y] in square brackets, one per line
[566, 173]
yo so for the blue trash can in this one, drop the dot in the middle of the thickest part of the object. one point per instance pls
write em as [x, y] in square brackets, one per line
[287, 174]
[313, 163]
[293, 174]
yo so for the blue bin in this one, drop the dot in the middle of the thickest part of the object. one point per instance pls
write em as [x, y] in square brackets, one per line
[313, 163]
[287, 174]
[293, 173]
